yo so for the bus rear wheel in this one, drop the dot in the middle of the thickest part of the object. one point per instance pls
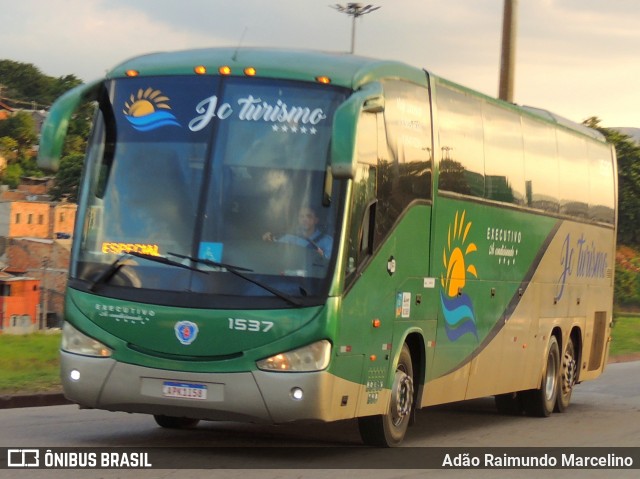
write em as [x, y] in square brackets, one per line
[568, 376]
[388, 430]
[541, 402]
[172, 422]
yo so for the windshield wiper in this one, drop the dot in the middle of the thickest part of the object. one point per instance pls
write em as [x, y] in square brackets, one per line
[109, 272]
[239, 271]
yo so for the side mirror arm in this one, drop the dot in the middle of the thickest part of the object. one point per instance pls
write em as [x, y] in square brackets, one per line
[369, 98]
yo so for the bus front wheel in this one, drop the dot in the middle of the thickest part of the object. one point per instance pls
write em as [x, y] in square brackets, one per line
[388, 430]
[541, 402]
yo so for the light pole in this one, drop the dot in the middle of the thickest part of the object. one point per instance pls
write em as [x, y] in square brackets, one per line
[354, 10]
[507, 64]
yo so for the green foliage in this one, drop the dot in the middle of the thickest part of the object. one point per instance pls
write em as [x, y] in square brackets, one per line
[68, 178]
[22, 128]
[25, 83]
[12, 175]
[29, 166]
[25, 86]
[628, 153]
[8, 148]
[626, 287]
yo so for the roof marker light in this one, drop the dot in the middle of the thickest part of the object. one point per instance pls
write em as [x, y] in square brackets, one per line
[250, 71]
[323, 79]
[132, 73]
[200, 70]
[224, 70]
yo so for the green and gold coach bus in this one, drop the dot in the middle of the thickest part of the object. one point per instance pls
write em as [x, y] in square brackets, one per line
[274, 236]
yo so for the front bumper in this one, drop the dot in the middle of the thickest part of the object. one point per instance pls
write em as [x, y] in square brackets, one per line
[257, 396]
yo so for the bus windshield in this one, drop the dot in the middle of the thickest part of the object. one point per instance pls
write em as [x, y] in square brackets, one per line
[209, 172]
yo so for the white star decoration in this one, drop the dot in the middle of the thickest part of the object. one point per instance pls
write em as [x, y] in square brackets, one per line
[303, 130]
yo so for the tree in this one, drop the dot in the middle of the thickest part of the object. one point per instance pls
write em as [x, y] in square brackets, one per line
[26, 84]
[68, 178]
[628, 154]
[8, 148]
[12, 175]
[21, 128]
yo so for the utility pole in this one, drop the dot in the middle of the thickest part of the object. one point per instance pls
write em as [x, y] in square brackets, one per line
[44, 296]
[507, 64]
[354, 10]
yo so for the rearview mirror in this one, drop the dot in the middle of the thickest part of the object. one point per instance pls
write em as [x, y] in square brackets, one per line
[369, 98]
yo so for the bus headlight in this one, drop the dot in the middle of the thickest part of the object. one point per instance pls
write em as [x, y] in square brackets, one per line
[314, 357]
[73, 341]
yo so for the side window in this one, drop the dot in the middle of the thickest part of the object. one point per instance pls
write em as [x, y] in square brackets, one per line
[364, 191]
[461, 137]
[601, 194]
[540, 166]
[503, 155]
[574, 174]
[405, 147]
[407, 117]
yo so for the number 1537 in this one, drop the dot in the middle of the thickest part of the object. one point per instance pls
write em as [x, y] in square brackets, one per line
[251, 325]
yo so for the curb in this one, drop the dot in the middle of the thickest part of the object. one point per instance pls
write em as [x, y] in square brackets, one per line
[33, 400]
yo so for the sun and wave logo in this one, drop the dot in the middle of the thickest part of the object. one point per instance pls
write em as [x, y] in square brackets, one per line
[148, 110]
[457, 306]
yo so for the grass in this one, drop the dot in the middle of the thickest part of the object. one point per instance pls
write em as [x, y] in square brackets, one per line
[29, 364]
[626, 335]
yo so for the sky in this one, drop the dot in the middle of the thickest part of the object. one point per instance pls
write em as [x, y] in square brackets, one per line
[577, 58]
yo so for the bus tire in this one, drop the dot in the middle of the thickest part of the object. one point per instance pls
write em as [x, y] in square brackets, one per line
[541, 402]
[388, 430]
[172, 422]
[568, 376]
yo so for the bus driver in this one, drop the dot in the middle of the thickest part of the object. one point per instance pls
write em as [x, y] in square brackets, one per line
[307, 235]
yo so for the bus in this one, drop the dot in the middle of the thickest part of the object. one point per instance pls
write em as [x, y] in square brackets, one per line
[278, 236]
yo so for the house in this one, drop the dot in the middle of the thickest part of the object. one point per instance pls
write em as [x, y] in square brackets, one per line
[35, 242]
[26, 213]
[46, 260]
[19, 304]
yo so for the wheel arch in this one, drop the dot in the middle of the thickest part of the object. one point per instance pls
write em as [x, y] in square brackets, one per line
[557, 332]
[576, 336]
[415, 342]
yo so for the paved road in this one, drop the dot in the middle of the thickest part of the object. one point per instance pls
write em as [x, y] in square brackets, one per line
[605, 412]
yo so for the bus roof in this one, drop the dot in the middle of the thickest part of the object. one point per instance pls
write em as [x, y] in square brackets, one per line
[344, 69]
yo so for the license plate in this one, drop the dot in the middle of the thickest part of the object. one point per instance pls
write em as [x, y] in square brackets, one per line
[174, 389]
